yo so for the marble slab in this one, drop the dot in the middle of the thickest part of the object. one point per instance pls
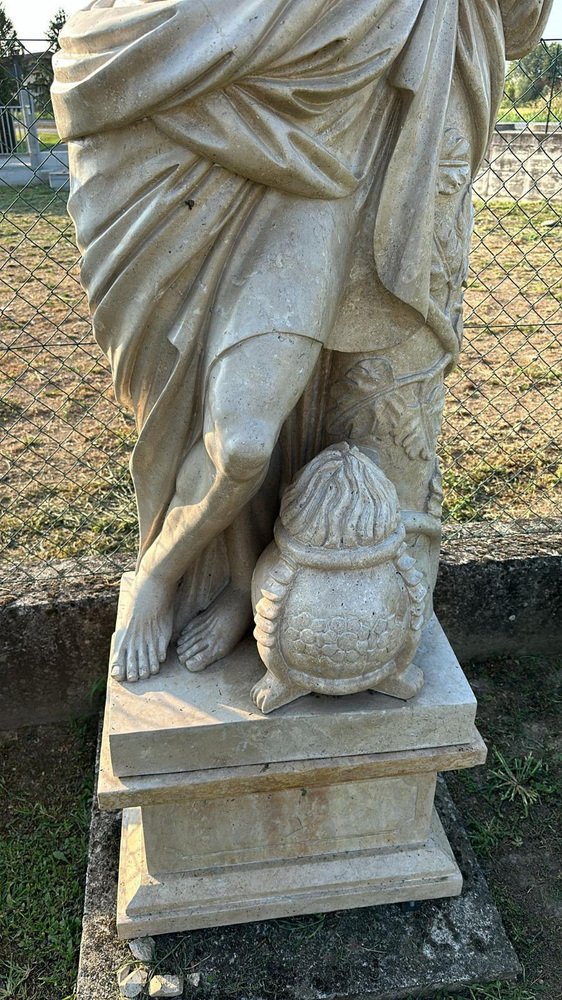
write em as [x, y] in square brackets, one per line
[378, 953]
[180, 722]
[291, 823]
[119, 792]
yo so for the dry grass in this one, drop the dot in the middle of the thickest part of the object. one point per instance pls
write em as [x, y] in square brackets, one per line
[65, 441]
[501, 443]
[65, 444]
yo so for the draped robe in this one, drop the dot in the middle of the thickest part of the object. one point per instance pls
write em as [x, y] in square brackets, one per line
[206, 135]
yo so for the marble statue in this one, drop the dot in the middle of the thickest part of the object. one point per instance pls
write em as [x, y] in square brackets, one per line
[273, 203]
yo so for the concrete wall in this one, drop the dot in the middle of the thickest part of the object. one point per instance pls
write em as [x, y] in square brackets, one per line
[495, 596]
[502, 595]
[523, 165]
[18, 171]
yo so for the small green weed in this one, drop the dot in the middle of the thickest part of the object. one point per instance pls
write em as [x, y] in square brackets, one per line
[522, 780]
[97, 690]
[13, 979]
[486, 835]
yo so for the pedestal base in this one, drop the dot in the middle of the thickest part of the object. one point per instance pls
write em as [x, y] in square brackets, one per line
[175, 901]
[369, 953]
[327, 804]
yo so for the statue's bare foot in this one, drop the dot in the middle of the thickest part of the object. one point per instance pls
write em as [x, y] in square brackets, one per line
[216, 631]
[142, 644]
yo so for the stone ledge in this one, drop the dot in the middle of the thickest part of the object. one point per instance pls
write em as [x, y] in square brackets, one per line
[498, 593]
[377, 953]
[498, 590]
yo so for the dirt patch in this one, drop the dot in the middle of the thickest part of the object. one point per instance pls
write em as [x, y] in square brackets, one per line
[513, 809]
[501, 447]
[65, 441]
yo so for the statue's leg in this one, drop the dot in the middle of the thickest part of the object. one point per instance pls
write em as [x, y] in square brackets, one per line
[390, 403]
[217, 630]
[251, 391]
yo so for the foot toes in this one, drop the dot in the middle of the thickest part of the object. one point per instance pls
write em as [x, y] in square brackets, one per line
[153, 661]
[161, 647]
[195, 647]
[143, 663]
[193, 631]
[199, 661]
[118, 670]
[132, 665]
[192, 659]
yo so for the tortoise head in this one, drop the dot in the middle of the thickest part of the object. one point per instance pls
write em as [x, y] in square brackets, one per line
[340, 500]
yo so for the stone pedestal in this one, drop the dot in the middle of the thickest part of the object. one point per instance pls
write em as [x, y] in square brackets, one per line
[326, 804]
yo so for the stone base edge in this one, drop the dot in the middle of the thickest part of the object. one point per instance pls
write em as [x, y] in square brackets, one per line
[172, 902]
[409, 959]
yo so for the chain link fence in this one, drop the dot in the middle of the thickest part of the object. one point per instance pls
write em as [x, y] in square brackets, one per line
[67, 507]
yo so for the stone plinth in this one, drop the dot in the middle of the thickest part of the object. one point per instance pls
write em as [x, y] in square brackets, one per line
[177, 721]
[372, 953]
[326, 804]
[172, 901]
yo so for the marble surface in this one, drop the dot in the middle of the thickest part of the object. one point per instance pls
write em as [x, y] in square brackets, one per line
[274, 226]
[182, 722]
[375, 953]
[149, 904]
[118, 792]
[291, 823]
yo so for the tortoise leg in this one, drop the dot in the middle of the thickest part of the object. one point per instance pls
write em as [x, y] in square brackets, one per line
[270, 693]
[403, 685]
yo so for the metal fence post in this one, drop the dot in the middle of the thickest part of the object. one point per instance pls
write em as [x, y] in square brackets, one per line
[27, 105]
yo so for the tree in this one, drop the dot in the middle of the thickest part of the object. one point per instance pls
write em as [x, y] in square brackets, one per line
[539, 74]
[10, 49]
[56, 24]
[9, 41]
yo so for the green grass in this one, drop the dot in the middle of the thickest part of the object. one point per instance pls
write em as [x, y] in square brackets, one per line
[534, 111]
[48, 139]
[43, 847]
[521, 780]
[483, 485]
[512, 808]
[68, 520]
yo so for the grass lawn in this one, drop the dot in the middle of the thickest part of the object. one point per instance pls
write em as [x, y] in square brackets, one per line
[512, 809]
[47, 140]
[500, 447]
[46, 783]
[532, 114]
[65, 442]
